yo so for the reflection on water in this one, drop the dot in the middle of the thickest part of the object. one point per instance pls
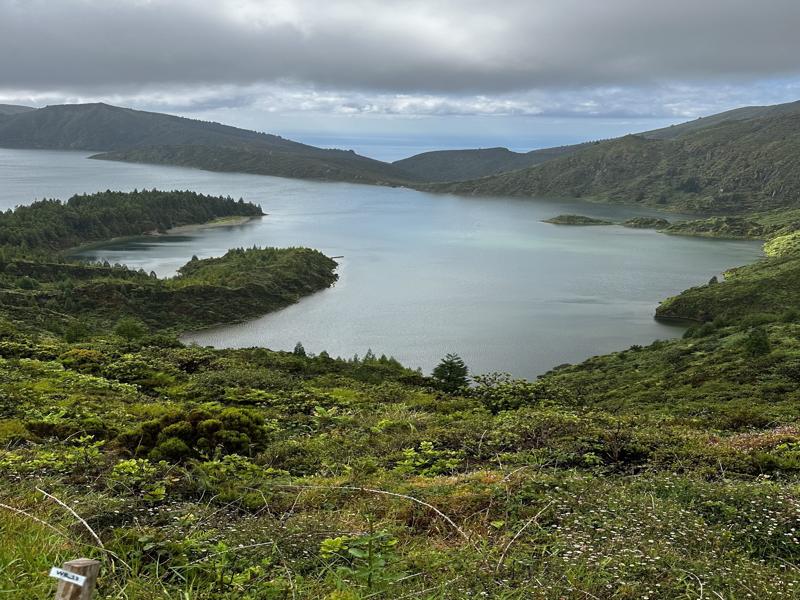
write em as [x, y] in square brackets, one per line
[421, 275]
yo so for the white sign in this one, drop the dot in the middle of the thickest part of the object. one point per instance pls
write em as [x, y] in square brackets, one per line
[68, 576]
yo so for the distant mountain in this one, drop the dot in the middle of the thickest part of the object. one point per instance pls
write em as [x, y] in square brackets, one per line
[463, 165]
[459, 165]
[7, 110]
[329, 165]
[139, 136]
[737, 114]
[744, 160]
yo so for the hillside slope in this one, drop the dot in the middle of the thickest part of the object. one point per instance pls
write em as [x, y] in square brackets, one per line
[13, 109]
[744, 113]
[460, 165]
[730, 167]
[160, 138]
[330, 165]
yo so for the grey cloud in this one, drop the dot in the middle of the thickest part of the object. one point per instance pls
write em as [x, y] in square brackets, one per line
[451, 47]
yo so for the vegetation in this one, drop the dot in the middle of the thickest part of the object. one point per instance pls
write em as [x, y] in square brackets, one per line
[138, 136]
[646, 223]
[331, 165]
[13, 109]
[43, 290]
[719, 227]
[577, 220]
[54, 225]
[460, 165]
[744, 163]
[766, 290]
[250, 473]
[737, 162]
[669, 471]
[451, 373]
[783, 245]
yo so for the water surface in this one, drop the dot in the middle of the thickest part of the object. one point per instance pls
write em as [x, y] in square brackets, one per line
[421, 275]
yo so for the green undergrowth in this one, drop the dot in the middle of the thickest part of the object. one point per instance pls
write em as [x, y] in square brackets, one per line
[244, 283]
[260, 474]
[661, 472]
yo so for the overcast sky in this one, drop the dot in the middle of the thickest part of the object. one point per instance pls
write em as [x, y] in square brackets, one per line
[520, 73]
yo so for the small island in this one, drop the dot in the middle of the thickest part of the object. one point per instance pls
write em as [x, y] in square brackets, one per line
[646, 223]
[577, 220]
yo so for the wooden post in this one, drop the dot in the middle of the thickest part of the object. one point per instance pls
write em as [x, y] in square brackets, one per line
[87, 568]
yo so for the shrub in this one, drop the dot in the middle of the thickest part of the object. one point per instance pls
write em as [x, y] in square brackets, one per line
[757, 342]
[451, 373]
[200, 432]
[499, 392]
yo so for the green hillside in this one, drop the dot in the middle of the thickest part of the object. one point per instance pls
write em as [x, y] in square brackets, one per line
[462, 165]
[459, 165]
[737, 114]
[330, 165]
[661, 472]
[158, 138]
[727, 168]
[48, 225]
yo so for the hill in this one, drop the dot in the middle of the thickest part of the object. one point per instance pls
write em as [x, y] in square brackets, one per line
[462, 165]
[142, 136]
[13, 109]
[737, 165]
[459, 165]
[737, 114]
[329, 165]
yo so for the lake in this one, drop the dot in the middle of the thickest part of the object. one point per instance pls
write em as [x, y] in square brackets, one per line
[421, 275]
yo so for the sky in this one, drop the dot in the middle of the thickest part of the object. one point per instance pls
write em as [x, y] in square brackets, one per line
[390, 77]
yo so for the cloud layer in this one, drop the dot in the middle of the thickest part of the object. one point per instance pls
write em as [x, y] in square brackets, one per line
[425, 57]
[432, 46]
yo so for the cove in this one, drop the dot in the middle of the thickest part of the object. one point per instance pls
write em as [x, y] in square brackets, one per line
[421, 274]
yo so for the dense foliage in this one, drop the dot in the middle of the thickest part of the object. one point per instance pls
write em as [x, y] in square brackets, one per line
[660, 472]
[240, 285]
[725, 167]
[56, 225]
[256, 474]
[329, 165]
[764, 291]
[460, 165]
[41, 289]
[139, 136]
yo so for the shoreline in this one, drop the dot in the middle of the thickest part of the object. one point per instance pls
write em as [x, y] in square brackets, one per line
[219, 222]
[180, 229]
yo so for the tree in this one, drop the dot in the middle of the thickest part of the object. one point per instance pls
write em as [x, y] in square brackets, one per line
[129, 328]
[299, 350]
[451, 373]
[757, 342]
